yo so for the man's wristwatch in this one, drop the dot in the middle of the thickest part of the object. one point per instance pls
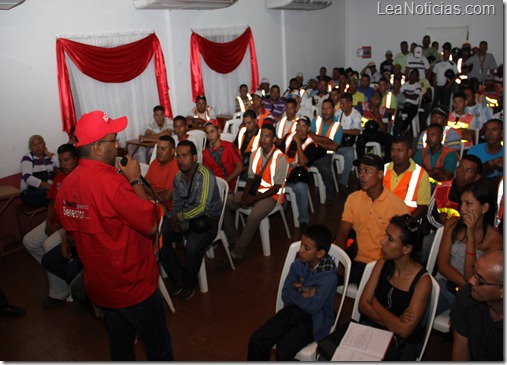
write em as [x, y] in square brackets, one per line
[136, 182]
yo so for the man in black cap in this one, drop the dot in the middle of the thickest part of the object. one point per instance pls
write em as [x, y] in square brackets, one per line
[451, 138]
[368, 211]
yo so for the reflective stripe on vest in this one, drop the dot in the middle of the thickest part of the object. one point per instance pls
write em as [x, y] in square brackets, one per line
[330, 132]
[281, 127]
[463, 122]
[499, 203]
[447, 129]
[410, 197]
[206, 114]
[254, 142]
[269, 171]
[241, 103]
[288, 141]
[440, 161]
[442, 202]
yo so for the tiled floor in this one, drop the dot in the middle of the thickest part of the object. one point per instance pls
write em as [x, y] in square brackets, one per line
[214, 326]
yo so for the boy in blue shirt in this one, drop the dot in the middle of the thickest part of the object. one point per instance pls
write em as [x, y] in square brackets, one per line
[308, 293]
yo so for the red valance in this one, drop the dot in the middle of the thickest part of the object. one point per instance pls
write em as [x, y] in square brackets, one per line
[117, 64]
[220, 57]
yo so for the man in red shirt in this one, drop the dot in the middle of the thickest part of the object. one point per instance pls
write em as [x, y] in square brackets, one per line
[49, 233]
[221, 157]
[111, 223]
[162, 171]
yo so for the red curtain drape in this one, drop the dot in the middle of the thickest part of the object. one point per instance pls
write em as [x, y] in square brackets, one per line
[220, 57]
[117, 64]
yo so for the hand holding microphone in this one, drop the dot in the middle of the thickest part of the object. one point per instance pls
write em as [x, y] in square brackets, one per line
[132, 171]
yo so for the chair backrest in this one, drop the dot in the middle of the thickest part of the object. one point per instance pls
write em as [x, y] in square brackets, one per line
[237, 115]
[435, 246]
[144, 168]
[227, 137]
[232, 126]
[200, 136]
[223, 189]
[366, 275]
[154, 153]
[432, 310]
[339, 256]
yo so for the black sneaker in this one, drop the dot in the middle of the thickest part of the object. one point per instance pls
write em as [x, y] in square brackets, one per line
[187, 293]
[11, 311]
[176, 289]
[51, 302]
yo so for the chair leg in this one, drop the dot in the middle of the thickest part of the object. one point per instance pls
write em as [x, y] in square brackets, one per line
[295, 208]
[264, 232]
[310, 202]
[203, 279]
[211, 252]
[165, 294]
[322, 190]
[225, 242]
[284, 222]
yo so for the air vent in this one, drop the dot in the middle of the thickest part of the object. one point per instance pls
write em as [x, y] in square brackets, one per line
[183, 4]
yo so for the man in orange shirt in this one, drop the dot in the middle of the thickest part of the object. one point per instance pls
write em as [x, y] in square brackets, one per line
[162, 171]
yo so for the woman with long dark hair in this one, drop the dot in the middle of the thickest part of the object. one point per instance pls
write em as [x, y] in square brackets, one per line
[465, 239]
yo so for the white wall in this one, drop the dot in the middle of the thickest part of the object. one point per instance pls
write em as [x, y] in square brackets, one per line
[306, 40]
[366, 28]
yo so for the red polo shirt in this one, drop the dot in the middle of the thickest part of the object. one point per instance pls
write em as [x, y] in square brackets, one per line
[110, 225]
[230, 157]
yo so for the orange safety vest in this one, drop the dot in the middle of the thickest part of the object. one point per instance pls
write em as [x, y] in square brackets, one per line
[459, 123]
[440, 161]
[288, 141]
[406, 189]
[368, 114]
[268, 176]
[242, 104]
[442, 202]
[260, 118]
[330, 132]
[252, 145]
[280, 128]
[206, 115]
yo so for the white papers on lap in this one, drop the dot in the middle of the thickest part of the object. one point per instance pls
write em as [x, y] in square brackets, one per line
[363, 343]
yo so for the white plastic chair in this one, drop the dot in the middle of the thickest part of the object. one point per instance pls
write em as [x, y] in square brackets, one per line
[223, 188]
[199, 137]
[264, 225]
[432, 309]
[377, 150]
[309, 352]
[441, 322]
[319, 183]
[144, 168]
[232, 126]
[364, 279]
[237, 115]
[227, 137]
[289, 193]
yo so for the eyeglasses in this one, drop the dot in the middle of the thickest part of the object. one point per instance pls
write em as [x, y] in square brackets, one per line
[481, 283]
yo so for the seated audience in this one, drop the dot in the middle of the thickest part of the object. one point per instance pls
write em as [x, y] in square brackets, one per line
[321, 95]
[388, 98]
[302, 109]
[201, 113]
[323, 75]
[443, 85]
[482, 63]
[221, 157]
[326, 131]
[181, 134]
[308, 294]
[465, 239]
[264, 87]
[438, 160]
[481, 112]
[368, 212]
[301, 152]
[37, 169]
[477, 314]
[293, 84]
[416, 61]
[287, 124]
[270, 163]
[401, 58]
[274, 105]
[387, 64]
[196, 211]
[50, 233]
[409, 181]
[397, 293]
[430, 52]
[491, 152]
[375, 120]
[162, 171]
[243, 101]
[365, 87]
[490, 90]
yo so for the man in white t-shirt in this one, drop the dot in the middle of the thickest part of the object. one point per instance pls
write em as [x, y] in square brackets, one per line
[411, 90]
[159, 126]
[419, 62]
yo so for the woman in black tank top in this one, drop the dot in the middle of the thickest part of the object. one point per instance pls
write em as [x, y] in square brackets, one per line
[398, 291]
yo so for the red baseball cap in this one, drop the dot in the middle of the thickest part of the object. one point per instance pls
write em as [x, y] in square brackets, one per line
[96, 125]
[213, 122]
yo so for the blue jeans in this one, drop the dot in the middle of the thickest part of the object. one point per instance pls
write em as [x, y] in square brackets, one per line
[147, 319]
[348, 155]
[301, 191]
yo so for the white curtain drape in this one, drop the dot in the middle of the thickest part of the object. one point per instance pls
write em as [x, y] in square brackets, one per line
[221, 89]
[135, 98]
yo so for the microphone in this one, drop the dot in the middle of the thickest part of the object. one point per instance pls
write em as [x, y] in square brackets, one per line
[124, 162]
